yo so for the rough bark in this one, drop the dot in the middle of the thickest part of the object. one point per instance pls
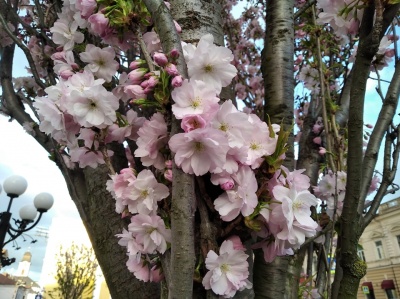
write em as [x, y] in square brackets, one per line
[277, 68]
[183, 197]
[278, 279]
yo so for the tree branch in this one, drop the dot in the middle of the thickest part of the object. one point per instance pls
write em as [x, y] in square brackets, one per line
[26, 52]
[301, 10]
[389, 173]
[183, 194]
[384, 120]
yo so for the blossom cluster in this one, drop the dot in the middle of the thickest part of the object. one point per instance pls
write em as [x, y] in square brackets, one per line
[91, 106]
[332, 190]
[344, 16]
[286, 218]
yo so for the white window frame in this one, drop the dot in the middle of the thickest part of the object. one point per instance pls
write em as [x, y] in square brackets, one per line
[379, 250]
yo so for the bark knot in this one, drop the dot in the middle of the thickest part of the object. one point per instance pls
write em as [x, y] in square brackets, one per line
[358, 269]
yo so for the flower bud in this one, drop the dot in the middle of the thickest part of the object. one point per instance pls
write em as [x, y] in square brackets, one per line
[160, 58]
[174, 53]
[177, 81]
[229, 185]
[171, 69]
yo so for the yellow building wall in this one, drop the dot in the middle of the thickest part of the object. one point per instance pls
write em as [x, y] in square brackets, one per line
[104, 292]
[386, 229]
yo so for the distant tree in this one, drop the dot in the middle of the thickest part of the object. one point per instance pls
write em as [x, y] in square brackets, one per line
[76, 273]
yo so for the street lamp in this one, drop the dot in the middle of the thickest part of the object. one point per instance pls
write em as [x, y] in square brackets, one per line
[14, 186]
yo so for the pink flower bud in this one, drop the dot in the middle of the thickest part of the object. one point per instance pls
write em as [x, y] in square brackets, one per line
[136, 64]
[160, 58]
[322, 151]
[174, 53]
[177, 81]
[229, 185]
[168, 164]
[156, 275]
[136, 76]
[66, 74]
[369, 126]
[168, 175]
[171, 69]
[150, 83]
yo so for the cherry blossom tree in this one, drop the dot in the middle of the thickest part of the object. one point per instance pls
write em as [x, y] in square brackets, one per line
[208, 155]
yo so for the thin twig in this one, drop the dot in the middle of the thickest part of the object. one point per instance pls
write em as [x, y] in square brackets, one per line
[26, 51]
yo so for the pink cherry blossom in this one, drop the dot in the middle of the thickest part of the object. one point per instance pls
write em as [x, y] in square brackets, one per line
[228, 271]
[259, 143]
[100, 61]
[143, 193]
[374, 184]
[118, 187]
[192, 122]
[132, 124]
[152, 138]
[86, 7]
[128, 240]
[211, 64]
[150, 231]
[93, 107]
[65, 33]
[138, 267]
[87, 157]
[242, 199]
[200, 150]
[233, 123]
[194, 98]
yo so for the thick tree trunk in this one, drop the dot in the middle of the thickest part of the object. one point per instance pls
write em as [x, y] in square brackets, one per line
[277, 68]
[97, 210]
[279, 279]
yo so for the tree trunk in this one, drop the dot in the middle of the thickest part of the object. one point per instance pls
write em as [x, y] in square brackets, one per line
[277, 68]
[278, 279]
[96, 207]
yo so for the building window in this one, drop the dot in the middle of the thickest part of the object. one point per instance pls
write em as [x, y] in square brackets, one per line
[390, 294]
[361, 254]
[379, 249]
[398, 239]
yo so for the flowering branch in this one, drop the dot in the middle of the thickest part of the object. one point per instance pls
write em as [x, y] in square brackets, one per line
[325, 97]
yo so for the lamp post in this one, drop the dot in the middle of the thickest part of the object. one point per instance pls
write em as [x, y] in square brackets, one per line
[14, 186]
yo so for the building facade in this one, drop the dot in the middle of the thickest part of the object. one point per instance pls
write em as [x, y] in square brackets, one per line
[380, 249]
